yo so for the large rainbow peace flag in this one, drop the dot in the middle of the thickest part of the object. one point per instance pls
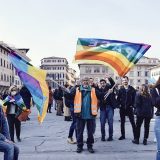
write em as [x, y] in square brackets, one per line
[120, 56]
[34, 79]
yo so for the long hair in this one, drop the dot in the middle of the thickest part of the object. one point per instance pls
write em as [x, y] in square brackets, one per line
[157, 83]
[145, 92]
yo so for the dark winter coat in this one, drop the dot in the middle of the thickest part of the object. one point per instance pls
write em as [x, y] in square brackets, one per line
[58, 94]
[26, 96]
[143, 106]
[126, 98]
[110, 100]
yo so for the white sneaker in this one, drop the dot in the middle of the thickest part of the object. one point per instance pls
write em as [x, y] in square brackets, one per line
[71, 141]
[155, 140]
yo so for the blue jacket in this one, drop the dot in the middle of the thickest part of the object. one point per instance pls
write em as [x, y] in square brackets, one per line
[4, 131]
[86, 103]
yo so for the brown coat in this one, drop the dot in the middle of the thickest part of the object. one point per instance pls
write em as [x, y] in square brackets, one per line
[50, 97]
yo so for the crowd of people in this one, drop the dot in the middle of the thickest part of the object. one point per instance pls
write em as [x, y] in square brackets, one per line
[85, 99]
[80, 104]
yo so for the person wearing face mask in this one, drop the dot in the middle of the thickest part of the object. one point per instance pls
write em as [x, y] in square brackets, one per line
[15, 105]
[85, 110]
[125, 99]
[155, 92]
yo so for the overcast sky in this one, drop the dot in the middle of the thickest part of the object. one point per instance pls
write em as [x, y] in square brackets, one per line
[51, 27]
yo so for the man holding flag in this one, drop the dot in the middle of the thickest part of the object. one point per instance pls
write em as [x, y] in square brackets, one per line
[107, 108]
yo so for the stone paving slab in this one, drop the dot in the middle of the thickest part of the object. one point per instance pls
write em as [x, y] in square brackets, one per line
[48, 141]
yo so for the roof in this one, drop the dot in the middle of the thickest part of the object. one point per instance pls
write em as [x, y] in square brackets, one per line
[90, 64]
[158, 66]
[9, 49]
[151, 58]
[53, 57]
[24, 49]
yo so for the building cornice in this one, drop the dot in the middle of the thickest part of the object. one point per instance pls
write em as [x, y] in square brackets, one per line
[157, 66]
[18, 51]
[53, 58]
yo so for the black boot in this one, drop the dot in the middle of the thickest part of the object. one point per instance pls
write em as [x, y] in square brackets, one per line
[90, 149]
[135, 141]
[145, 141]
[110, 139]
[65, 118]
[122, 137]
[79, 149]
[103, 138]
[18, 139]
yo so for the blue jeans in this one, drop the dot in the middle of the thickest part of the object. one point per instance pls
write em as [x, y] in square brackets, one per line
[107, 114]
[73, 125]
[157, 133]
[11, 151]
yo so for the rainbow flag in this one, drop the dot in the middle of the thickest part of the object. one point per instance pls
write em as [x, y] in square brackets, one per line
[34, 79]
[120, 56]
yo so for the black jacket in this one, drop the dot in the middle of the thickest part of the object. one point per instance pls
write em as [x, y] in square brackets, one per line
[69, 102]
[143, 106]
[156, 100]
[58, 94]
[126, 98]
[110, 100]
[26, 96]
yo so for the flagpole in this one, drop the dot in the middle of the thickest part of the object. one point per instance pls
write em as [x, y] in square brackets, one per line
[59, 85]
[107, 94]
